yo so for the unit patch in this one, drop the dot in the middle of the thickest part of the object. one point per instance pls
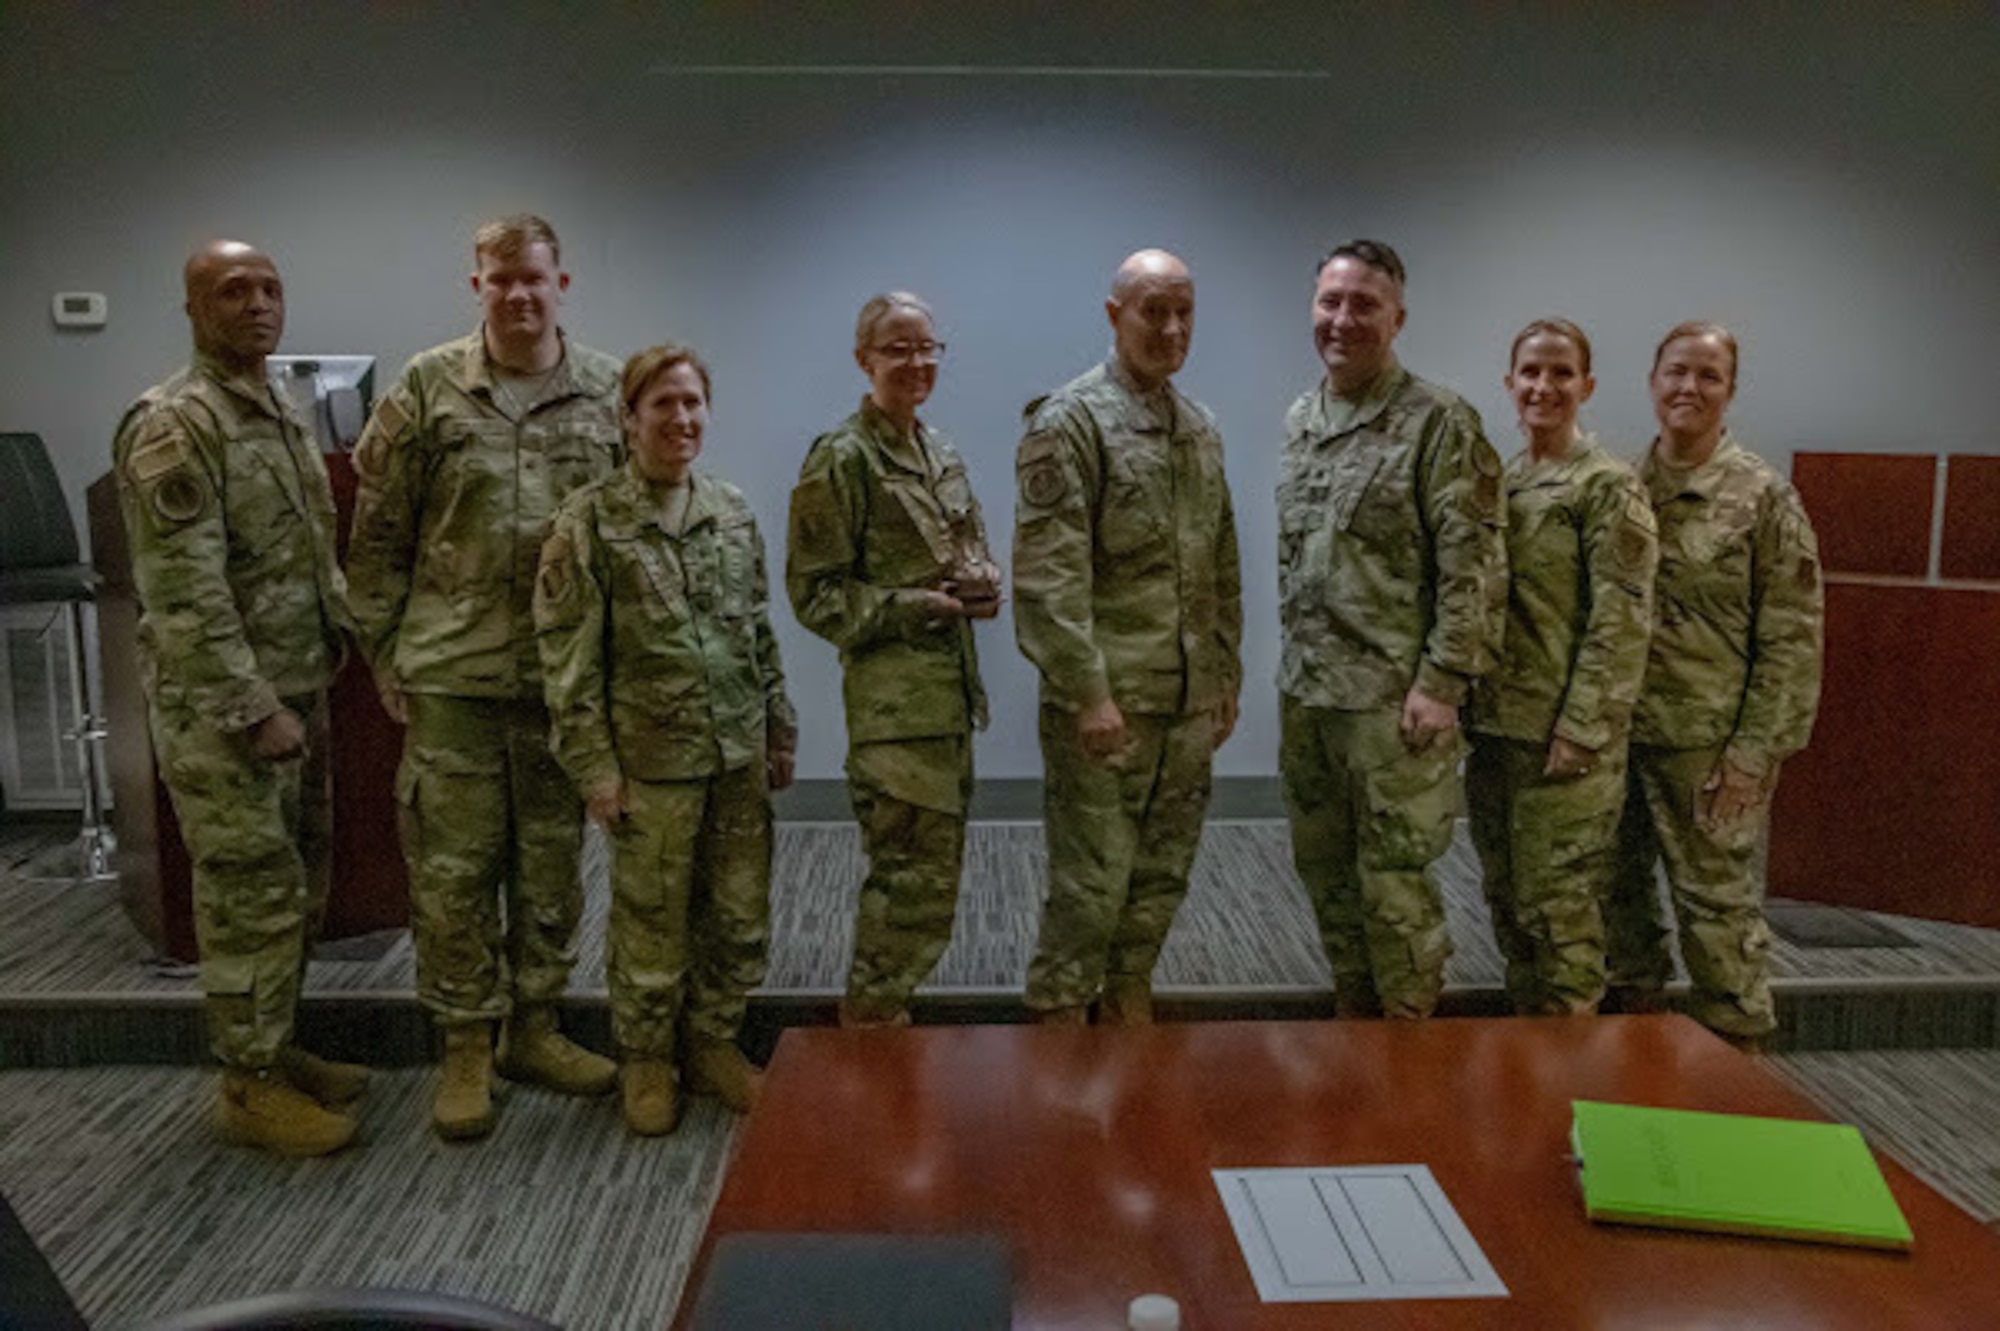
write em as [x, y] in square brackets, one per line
[178, 497]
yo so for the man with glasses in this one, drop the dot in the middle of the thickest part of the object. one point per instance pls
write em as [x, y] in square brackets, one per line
[461, 467]
[887, 560]
[1128, 600]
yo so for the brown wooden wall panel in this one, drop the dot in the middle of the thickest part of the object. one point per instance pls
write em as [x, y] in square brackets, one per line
[1971, 518]
[1895, 806]
[1872, 510]
[371, 885]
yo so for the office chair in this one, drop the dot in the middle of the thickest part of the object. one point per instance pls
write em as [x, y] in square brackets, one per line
[40, 565]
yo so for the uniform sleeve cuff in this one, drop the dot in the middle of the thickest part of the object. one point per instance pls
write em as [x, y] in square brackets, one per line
[1749, 761]
[1592, 735]
[1443, 684]
[251, 709]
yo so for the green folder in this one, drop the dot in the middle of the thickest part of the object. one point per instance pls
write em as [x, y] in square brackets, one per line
[1777, 1177]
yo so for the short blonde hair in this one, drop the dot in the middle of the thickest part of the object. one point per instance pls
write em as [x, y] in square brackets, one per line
[648, 365]
[879, 308]
[508, 238]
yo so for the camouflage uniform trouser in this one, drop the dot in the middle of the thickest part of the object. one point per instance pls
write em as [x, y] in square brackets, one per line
[1368, 818]
[910, 797]
[1121, 840]
[257, 833]
[1718, 898]
[690, 907]
[1548, 846]
[487, 814]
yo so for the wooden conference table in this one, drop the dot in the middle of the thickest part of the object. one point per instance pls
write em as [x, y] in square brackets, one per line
[1090, 1151]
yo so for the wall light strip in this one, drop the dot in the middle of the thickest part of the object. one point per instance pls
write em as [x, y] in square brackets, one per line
[983, 72]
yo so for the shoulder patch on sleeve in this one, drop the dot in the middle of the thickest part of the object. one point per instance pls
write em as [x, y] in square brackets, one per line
[1633, 541]
[160, 449]
[1043, 485]
[556, 583]
[395, 417]
[178, 497]
[385, 429]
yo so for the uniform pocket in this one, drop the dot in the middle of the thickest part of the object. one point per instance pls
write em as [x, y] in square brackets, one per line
[1412, 802]
[1134, 500]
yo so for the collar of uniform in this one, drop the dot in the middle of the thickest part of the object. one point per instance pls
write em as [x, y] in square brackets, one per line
[637, 506]
[479, 368]
[1145, 408]
[1334, 414]
[905, 454]
[1701, 483]
[252, 388]
[1529, 472]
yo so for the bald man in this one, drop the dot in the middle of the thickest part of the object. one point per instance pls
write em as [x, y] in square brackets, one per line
[1128, 601]
[230, 522]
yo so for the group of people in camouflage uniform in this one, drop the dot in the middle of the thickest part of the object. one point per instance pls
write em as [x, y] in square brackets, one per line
[572, 621]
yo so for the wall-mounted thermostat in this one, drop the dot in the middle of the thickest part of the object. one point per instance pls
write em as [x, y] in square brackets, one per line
[81, 309]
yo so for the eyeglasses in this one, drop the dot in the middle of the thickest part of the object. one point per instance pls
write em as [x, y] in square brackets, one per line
[908, 351]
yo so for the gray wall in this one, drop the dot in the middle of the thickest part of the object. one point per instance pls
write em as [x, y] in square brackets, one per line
[1821, 177]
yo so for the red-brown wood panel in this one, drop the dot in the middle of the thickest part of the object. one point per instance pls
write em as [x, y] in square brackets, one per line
[1872, 510]
[1895, 806]
[371, 886]
[1971, 518]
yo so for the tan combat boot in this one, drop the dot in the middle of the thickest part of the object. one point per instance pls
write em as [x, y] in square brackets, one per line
[332, 1084]
[1062, 1016]
[463, 1109]
[533, 1050]
[652, 1102]
[261, 1109]
[1128, 1001]
[718, 1068]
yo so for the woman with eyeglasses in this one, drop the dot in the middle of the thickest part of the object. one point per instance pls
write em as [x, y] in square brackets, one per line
[887, 560]
[1546, 777]
[1732, 684]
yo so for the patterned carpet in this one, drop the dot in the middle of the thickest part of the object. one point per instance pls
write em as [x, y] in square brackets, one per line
[1245, 928]
[560, 1213]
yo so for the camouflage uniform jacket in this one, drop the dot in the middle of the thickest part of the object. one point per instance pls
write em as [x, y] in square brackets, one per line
[657, 653]
[1392, 561]
[875, 516]
[1581, 548]
[230, 522]
[454, 500]
[1126, 579]
[1737, 612]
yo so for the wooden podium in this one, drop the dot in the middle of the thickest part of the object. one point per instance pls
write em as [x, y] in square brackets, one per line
[369, 892]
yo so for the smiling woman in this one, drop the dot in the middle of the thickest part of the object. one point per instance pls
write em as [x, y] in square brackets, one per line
[1732, 684]
[669, 713]
[1546, 777]
[888, 561]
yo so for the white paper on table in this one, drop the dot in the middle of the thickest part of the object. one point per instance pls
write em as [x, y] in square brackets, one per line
[1353, 1233]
